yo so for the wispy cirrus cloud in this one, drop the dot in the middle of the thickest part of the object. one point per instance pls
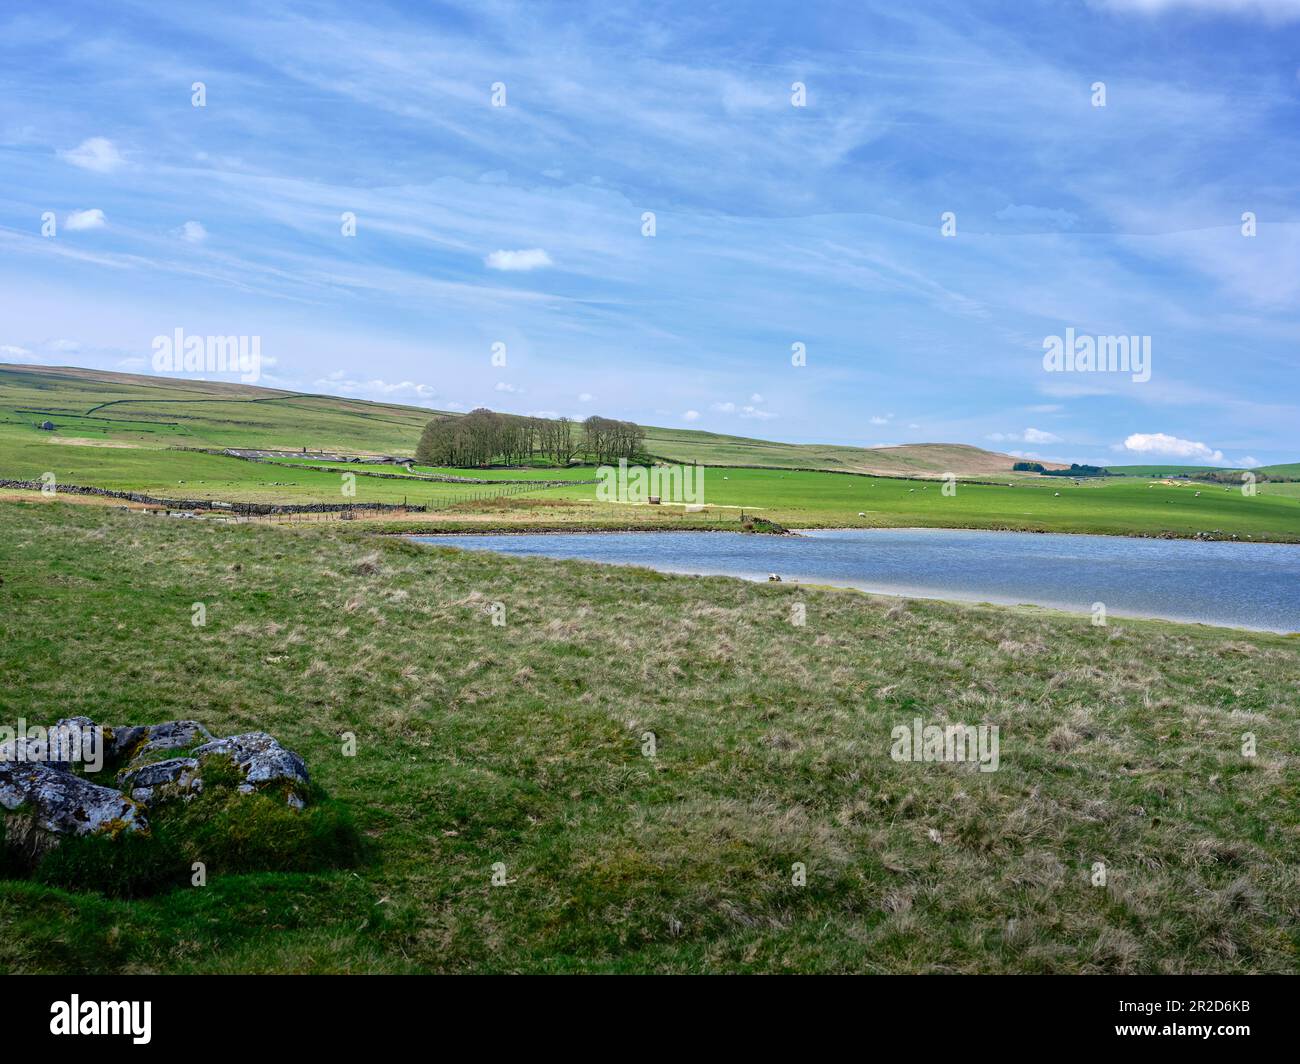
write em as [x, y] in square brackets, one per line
[1063, 212]
[1268, 10]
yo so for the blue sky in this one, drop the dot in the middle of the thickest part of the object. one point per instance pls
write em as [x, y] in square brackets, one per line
[774, 224]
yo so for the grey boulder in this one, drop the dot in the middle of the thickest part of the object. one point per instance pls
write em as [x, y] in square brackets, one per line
[262, 761]
[52, 803]
[177, 775]
[136, 741]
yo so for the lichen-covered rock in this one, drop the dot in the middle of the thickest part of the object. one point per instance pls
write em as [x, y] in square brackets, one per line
[175, 776]
[52, 803]
[73, 729]
[262, 761]
[48, 799]
[138, 741]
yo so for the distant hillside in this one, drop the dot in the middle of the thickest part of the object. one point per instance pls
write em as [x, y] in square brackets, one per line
[1159, 470]
[1282, 469]
[97, 407]
[915, 460]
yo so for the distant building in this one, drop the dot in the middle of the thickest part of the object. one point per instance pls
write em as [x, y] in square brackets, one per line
[46, 426]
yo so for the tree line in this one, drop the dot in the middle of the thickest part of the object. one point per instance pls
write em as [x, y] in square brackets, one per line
[484, 437]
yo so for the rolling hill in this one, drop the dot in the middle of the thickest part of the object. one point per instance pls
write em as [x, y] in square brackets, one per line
[99, 408]
[1166, 469]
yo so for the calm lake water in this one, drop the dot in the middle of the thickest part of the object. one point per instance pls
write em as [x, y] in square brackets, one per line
[1248, 585]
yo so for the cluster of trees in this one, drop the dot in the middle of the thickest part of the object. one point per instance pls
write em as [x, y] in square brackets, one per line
[1075, 470]
[483, 438]
[605, 441]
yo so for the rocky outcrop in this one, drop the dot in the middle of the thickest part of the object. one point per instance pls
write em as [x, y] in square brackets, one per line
[46, 799]
[259, 759]
[263, 763]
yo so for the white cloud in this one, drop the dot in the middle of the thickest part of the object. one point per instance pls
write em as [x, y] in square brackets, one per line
[192, 232]
[691, 415]
[1249, 463]
[375, 388]
[131, 363]
[1037, 436]
[1159, 443]
[1028, 436]
[878, 420]
[586, 397]
[530, 259]
[11, 351]
[748, 410]
[506, 386]
[97, 153]
[91, 219]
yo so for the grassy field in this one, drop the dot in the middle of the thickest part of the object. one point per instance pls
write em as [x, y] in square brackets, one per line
[1043, 504]
[522, 746]
[827, 500]
[1119, 506]
[129, 430]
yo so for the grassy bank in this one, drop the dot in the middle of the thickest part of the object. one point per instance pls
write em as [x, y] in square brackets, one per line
[522, 745]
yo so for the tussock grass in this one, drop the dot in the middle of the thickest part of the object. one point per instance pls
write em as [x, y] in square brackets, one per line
[521, 746]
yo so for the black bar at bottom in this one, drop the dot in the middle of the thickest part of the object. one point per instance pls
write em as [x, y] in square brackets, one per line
[1218, 1014]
